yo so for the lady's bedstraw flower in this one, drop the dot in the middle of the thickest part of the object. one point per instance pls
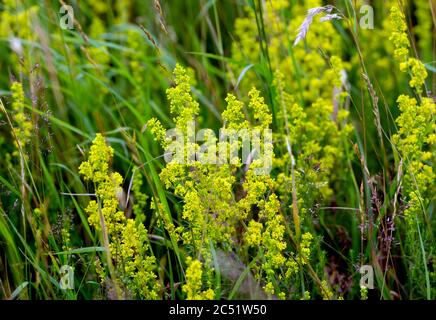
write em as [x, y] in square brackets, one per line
[140, 198]
[268, 236]
[97, 167]
[399, 36]
[259, 109]
[107, 185]
[213, 211]
[22, 126]
[415, 144]
[233, 116]
[128, 241]
[158, 131]
[17, 23]
[417, 71]
[326, 291]
[194, 282]
[182, 103]
[137, 264]
[306, 241]
[253, 235]
[414, 140]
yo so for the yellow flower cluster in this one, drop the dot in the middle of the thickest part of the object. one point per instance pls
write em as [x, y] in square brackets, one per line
[158, 131]
[268, 236]
[213, 208]
[233, 116]
[107, 185]
[259, 110]
[23, 126]
[417, 71]
[414, 140]
[306, 241]
[312, 125]
[272, 237]
[399, 37]
[253, 235]
[99, 6]
[123, 9]
[314, 113]
[181, 101]
[128, 241]
[137, 264]
[140, 200]
[194, 282]
[318, 143]
[16, 21]
[303, 64]
[326, 292]
[98, 53]
[17, 25]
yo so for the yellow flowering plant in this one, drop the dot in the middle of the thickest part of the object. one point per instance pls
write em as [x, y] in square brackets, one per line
[126, 241]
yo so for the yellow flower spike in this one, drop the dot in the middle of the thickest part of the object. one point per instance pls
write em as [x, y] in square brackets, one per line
[306, 241]
[194, 282]
[140, 198]
[415, 67]
[23, 126]
[253, 235]
[233, 116]
[414, 142]
[418, 72]
[260, 109]
[399, 36]
[182, 104]
[128, 240]
[326, 292]
[158, 131]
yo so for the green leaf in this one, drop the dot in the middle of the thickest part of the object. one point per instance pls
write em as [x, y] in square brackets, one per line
[18, 290]
[82, 250]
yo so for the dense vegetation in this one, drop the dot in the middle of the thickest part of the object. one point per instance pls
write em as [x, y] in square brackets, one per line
[347, 178]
